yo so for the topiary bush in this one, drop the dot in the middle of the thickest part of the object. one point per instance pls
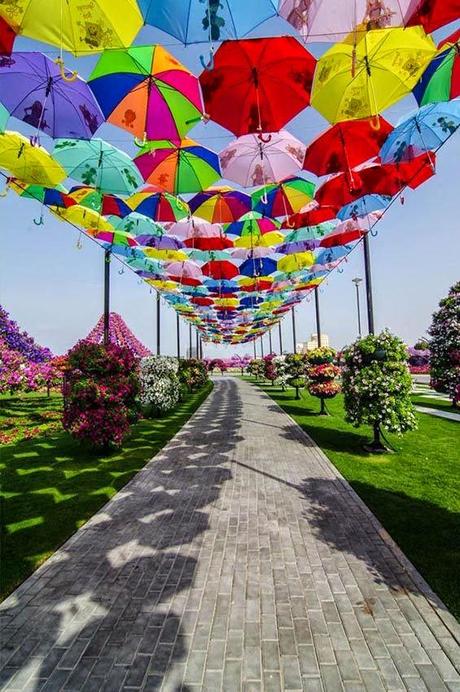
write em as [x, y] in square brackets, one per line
[100, 393]
[256, 368]
[193, 373]
[322, 374]
[445, 346]
[296, 371]
[160, 385]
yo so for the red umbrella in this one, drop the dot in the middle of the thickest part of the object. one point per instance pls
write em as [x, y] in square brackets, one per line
[414, 172]
[258, 85]
[346, 145]
[197, 300]
[7, 36]
[220, 269]
[314, 217]
[214, 242]
[342, 237]
[433, 14]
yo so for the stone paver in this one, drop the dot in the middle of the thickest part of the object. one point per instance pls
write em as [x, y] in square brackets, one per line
[448, 415]
[237, 559]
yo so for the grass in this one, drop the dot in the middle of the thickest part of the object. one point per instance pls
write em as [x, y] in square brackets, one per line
[51, 485]
[415, 493]
[434, 403]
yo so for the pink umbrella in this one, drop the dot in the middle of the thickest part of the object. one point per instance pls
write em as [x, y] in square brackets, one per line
[259, 159]
[187, 273]
[244, 253]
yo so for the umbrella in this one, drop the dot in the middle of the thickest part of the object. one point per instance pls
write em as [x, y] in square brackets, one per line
[258, 159]
[298, 246]
[432, 14]
[160, 242]
[35, 90]
[208, 255]
[219, 270]
[82, 217]
[308, 233]
[73, 25]
[249, 74]
[345, 233]
[441, 79]
[178, 167]
[317, 20]
[285, 198]
[376, 179]
[158, 206]
[363, 206]
[49, 196]
[358, 81]
[203, 235]
[147, 92]
[257, 266]
[4, 115]
[258, 250]
[31, 164]
[113, 237]
[312, 217]
[253, 238]
[295, 262]
[7, 36]
[220, 204]
[424, 130]
[98, 163]
[137, 225]
[104, 204]
[252, 222]
[346, 145]
[331, 255]
[186, 272]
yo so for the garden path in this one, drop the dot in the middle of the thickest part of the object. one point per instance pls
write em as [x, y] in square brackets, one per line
[237, 559]
[448, 415]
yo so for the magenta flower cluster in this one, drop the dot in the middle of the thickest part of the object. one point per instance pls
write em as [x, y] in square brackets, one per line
[119, 334]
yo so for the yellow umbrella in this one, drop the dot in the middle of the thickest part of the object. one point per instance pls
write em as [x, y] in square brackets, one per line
[166, 255]
[227, 302]
[83, 217]
[266, 240]
[31, 164]
[360, 79]
[169, 286]
[75, 25]
[296, 262]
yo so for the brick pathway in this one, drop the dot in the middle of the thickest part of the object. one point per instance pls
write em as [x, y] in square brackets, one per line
[237, 559]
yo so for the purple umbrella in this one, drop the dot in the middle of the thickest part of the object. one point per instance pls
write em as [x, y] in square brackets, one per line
[164, 242]
[34, 90]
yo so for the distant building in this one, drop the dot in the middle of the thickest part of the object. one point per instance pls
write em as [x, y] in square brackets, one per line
[313, 343]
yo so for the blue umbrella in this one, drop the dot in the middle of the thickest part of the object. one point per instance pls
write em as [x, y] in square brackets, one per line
[364, 206]
[250, 302]
[332, 254]
[424, 130]
[257, 266]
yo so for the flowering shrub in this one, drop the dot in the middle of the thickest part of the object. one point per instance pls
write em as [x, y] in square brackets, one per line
[193, 373]
[21, 342]
[445, 346]
[160, 386]
[270, 369]
[296, 371]
[320, 355]
[322, 374]
[377, 384]
[100, 393]
[17, 374]
[217, 363]
[256, 367]
[282, 370]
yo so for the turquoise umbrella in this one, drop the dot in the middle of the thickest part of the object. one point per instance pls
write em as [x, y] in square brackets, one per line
[98, 163]
[136, 224]
[4, 115]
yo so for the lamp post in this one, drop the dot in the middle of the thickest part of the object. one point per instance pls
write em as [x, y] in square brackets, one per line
[294, 335]
[178, 334]
[367, 268]
[190, 341]
[106, 297]
[255, 352]
[281, 338]
[323, 411]
[357, 281]
[158, 325]
[270, 341]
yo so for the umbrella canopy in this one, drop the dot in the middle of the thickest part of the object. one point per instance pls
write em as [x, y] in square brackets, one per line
[7, 36]
[283, 199]
[257, 266]
[364, 206]
[71, 25]
[247, 74]
[426, 129]
[178, 167]
[98, 163]
[157, 205]
[49, 196]
[137, 225]
[82, 217]
[317, 20]
[186, 272]
[359, 81]
[35, 90]
[113, 237]
[258, 159]
[441, 79]
[218, 269]
[296, 262]
[147, 92]
[220, 204]
[432, 14]
[192, 21]
[31, 164]
[4, 115]
[346, 145]
[88, 196]
[252, 222]
[311, 217]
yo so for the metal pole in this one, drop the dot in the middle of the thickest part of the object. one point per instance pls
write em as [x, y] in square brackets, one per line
[201, 348]
[294, 336]
[318, 321]
[281, 338]
[255, 351]
[106, 297]
[270, 341]
[356, 282]
[158, 325]
[262, 345]
[190, 340]
[178, 334]
[197, 348]
[367, 268]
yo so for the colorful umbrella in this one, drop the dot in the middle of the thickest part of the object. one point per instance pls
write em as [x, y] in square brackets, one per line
[73, 25]
[346, 145]
[257, 266]
[35, 90]
[137, 225]
[158, 206]
[147, 92]
[186, 272]
[441, 79]
[285, 198]
[252, 222]
[364, 206]
[98, 163]
[104, 204]
[359, 81]
[31, 164]
[248, 74]
[7, 36]
[219, 270]
[432, 14]
[4, 115]
[259, 159]
[113, 238]
[203, 235]
[220, 204]
[195, 21]
[424, 130]
[311, 217]
[295, 262]
[82, 217]
[178, 167]
[338, 192]
[49, 196]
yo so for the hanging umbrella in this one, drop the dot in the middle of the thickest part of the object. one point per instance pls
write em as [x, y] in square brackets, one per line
[285, 198]
[208, 255]
[329, 256]
[82, 217]
[317, 20]
[312, 217]
[187, 272]
[432, 14]
[424, 130]
[31, 164]
[346, 145]
[249, 74]
[7, 36]
[308, 233]
[73, 25]
[257, 266]
[298, 246]
[258, 159]
[161, 242]
[252, 222]
[359, 81]
[147, 92]
[253, 238]
[203, 235]
[346, 233]
[441, 79]
[376, 179]
[137, 225]
[295, 262]
[220, 270]
[364, 206]
[34, 90]
[98, 163]
[49, 196]
[104, 204]
[4, 115]
[220, 204]
[195, 21]
[113, 238]
[256, 251]
[157, 205]
[178, 167]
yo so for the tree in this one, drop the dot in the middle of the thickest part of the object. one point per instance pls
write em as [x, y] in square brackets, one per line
[445, 346]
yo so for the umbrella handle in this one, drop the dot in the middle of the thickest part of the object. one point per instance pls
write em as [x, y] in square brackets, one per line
[375, 123]
[373, 233]
[265, 139]
[288, 223]
[140, 143]
[210, 64]
[40, 221]
[4, 192]
[73, 75]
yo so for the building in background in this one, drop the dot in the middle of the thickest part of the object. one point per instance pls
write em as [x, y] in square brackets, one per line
[313, 343]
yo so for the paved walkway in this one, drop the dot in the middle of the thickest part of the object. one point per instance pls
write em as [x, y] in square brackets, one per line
[448, 415]
[238, 559]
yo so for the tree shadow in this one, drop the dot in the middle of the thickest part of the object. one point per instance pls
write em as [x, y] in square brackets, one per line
[110, 607]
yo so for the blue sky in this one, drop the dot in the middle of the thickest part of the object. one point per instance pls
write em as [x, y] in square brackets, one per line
[55, 290]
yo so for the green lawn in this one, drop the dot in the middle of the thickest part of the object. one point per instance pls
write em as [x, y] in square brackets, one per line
[415, 493]
[433, 402]
[51, 485]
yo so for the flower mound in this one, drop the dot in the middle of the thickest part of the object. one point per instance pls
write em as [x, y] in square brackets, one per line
[322, 374]
[100, 391]
[445, 346]
[21, 342]
[160, 386]
[193, 374]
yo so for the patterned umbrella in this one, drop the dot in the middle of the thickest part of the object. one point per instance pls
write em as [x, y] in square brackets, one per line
[283, 199]
[220, 204]
[157, 205]
[31, 164]
[7, 37]
[104, 204]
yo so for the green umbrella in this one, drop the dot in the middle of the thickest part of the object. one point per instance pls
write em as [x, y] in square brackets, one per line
[95, 162]
[4, 115]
